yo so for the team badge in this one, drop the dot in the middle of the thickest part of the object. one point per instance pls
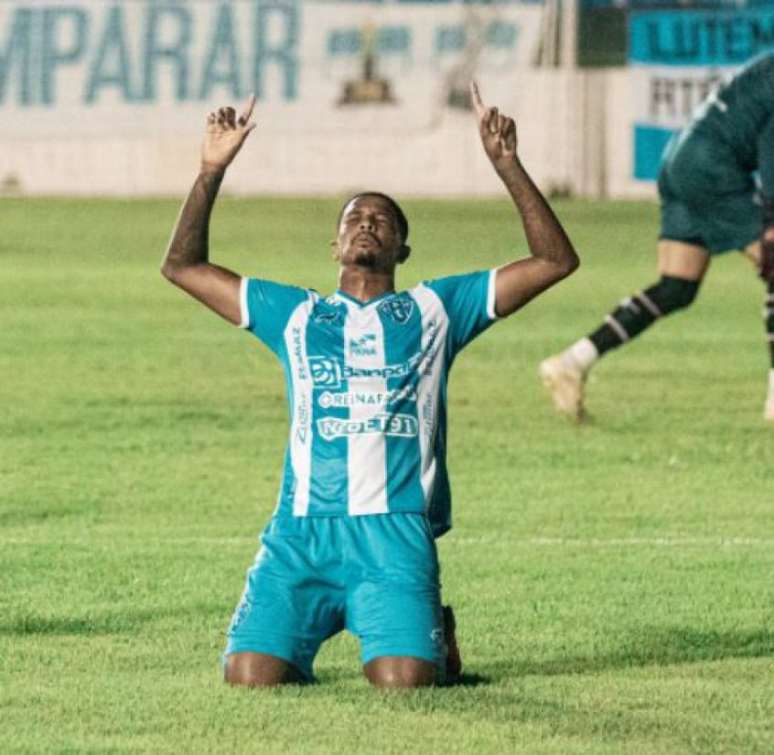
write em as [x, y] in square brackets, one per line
[398, 309]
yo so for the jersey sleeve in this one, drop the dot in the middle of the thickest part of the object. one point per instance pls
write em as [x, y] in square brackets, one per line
[469, 301]
[266, 308]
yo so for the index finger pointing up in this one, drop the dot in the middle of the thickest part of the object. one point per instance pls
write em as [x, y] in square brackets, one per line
[248, 111]
[475, 98]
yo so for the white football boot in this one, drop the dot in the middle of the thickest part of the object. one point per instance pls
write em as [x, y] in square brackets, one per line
[564, 380]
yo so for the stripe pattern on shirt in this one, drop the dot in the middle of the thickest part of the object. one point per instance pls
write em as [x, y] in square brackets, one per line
[300, 389]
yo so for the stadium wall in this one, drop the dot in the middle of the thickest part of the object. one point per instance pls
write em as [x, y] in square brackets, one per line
[109, 98]
[570, 142]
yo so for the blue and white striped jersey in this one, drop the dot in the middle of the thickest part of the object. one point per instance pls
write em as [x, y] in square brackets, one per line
[366, 387]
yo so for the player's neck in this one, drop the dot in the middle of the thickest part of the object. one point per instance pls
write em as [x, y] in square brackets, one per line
[364, 284]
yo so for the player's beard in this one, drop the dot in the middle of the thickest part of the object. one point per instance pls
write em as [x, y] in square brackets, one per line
[366, 255]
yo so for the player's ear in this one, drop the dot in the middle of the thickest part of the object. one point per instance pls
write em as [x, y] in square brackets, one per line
[335, 250]
[403, 253]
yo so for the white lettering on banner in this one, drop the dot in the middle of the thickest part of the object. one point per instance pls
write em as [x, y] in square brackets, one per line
[667, 97]
[677, 58]
[114, 60]
[673, 99]
[145, 52]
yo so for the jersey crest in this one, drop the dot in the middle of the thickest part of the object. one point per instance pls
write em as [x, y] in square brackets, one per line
[397, 309]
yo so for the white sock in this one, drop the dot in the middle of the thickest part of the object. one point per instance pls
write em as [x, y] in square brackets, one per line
[582, 354]
[771, 384]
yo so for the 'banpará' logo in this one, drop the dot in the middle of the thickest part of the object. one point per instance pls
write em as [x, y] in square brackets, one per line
[365, 346]
[328, 373]
[397, 309]
[325, 371]
[400, 425]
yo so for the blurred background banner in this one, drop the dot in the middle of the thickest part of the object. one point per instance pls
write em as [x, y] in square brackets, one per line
[100, 65]
[676, 58]
[110, 96]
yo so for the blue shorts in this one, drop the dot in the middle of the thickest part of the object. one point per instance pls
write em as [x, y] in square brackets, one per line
[375, 575]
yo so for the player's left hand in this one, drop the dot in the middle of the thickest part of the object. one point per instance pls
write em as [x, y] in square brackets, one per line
[498, 132]
[767, 255]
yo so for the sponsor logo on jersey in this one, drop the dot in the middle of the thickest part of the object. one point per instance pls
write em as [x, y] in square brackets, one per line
[399, 425]
[302, 416]
[398, 310]
[298, 352]
[365, 346]
[346, 400]
[328, 373]
[328, 316]
[325, 371]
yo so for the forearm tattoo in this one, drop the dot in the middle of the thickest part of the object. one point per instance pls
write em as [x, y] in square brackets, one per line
[190, 239]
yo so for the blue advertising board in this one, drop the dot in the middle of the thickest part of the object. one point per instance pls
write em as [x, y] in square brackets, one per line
[677, 57]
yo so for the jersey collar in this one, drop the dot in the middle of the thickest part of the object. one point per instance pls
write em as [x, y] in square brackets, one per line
[361, 304]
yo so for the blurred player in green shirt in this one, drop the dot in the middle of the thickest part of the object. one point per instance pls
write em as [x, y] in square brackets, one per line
[710, 204]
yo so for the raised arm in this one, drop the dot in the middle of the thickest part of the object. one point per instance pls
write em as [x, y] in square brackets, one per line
[553, 256]
[186, 263]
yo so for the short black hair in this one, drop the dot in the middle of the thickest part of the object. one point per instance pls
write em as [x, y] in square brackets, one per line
[400, 216]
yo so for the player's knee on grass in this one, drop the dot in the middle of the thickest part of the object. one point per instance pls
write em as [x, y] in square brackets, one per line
[394, 672]
[259, 670]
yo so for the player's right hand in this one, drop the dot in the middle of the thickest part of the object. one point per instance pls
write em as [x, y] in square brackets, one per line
[498, 132]
[225, 135]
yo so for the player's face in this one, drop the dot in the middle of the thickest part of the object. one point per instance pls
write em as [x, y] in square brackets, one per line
[369, 235]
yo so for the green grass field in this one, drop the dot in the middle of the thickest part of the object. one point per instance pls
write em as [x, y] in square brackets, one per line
[614, 583]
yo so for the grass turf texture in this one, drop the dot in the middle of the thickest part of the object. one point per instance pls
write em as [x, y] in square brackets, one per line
[613, 582]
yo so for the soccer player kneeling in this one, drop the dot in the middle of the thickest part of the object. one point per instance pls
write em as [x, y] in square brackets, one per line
[364, 490]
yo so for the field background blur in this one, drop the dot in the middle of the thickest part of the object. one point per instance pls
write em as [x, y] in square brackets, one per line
[612, 582]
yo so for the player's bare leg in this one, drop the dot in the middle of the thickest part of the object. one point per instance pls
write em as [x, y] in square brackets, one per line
[400, 672]
[260, 670]
[681, 267]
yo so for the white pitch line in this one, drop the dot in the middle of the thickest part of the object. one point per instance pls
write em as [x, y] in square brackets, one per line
[452, 540]
[668, 542]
